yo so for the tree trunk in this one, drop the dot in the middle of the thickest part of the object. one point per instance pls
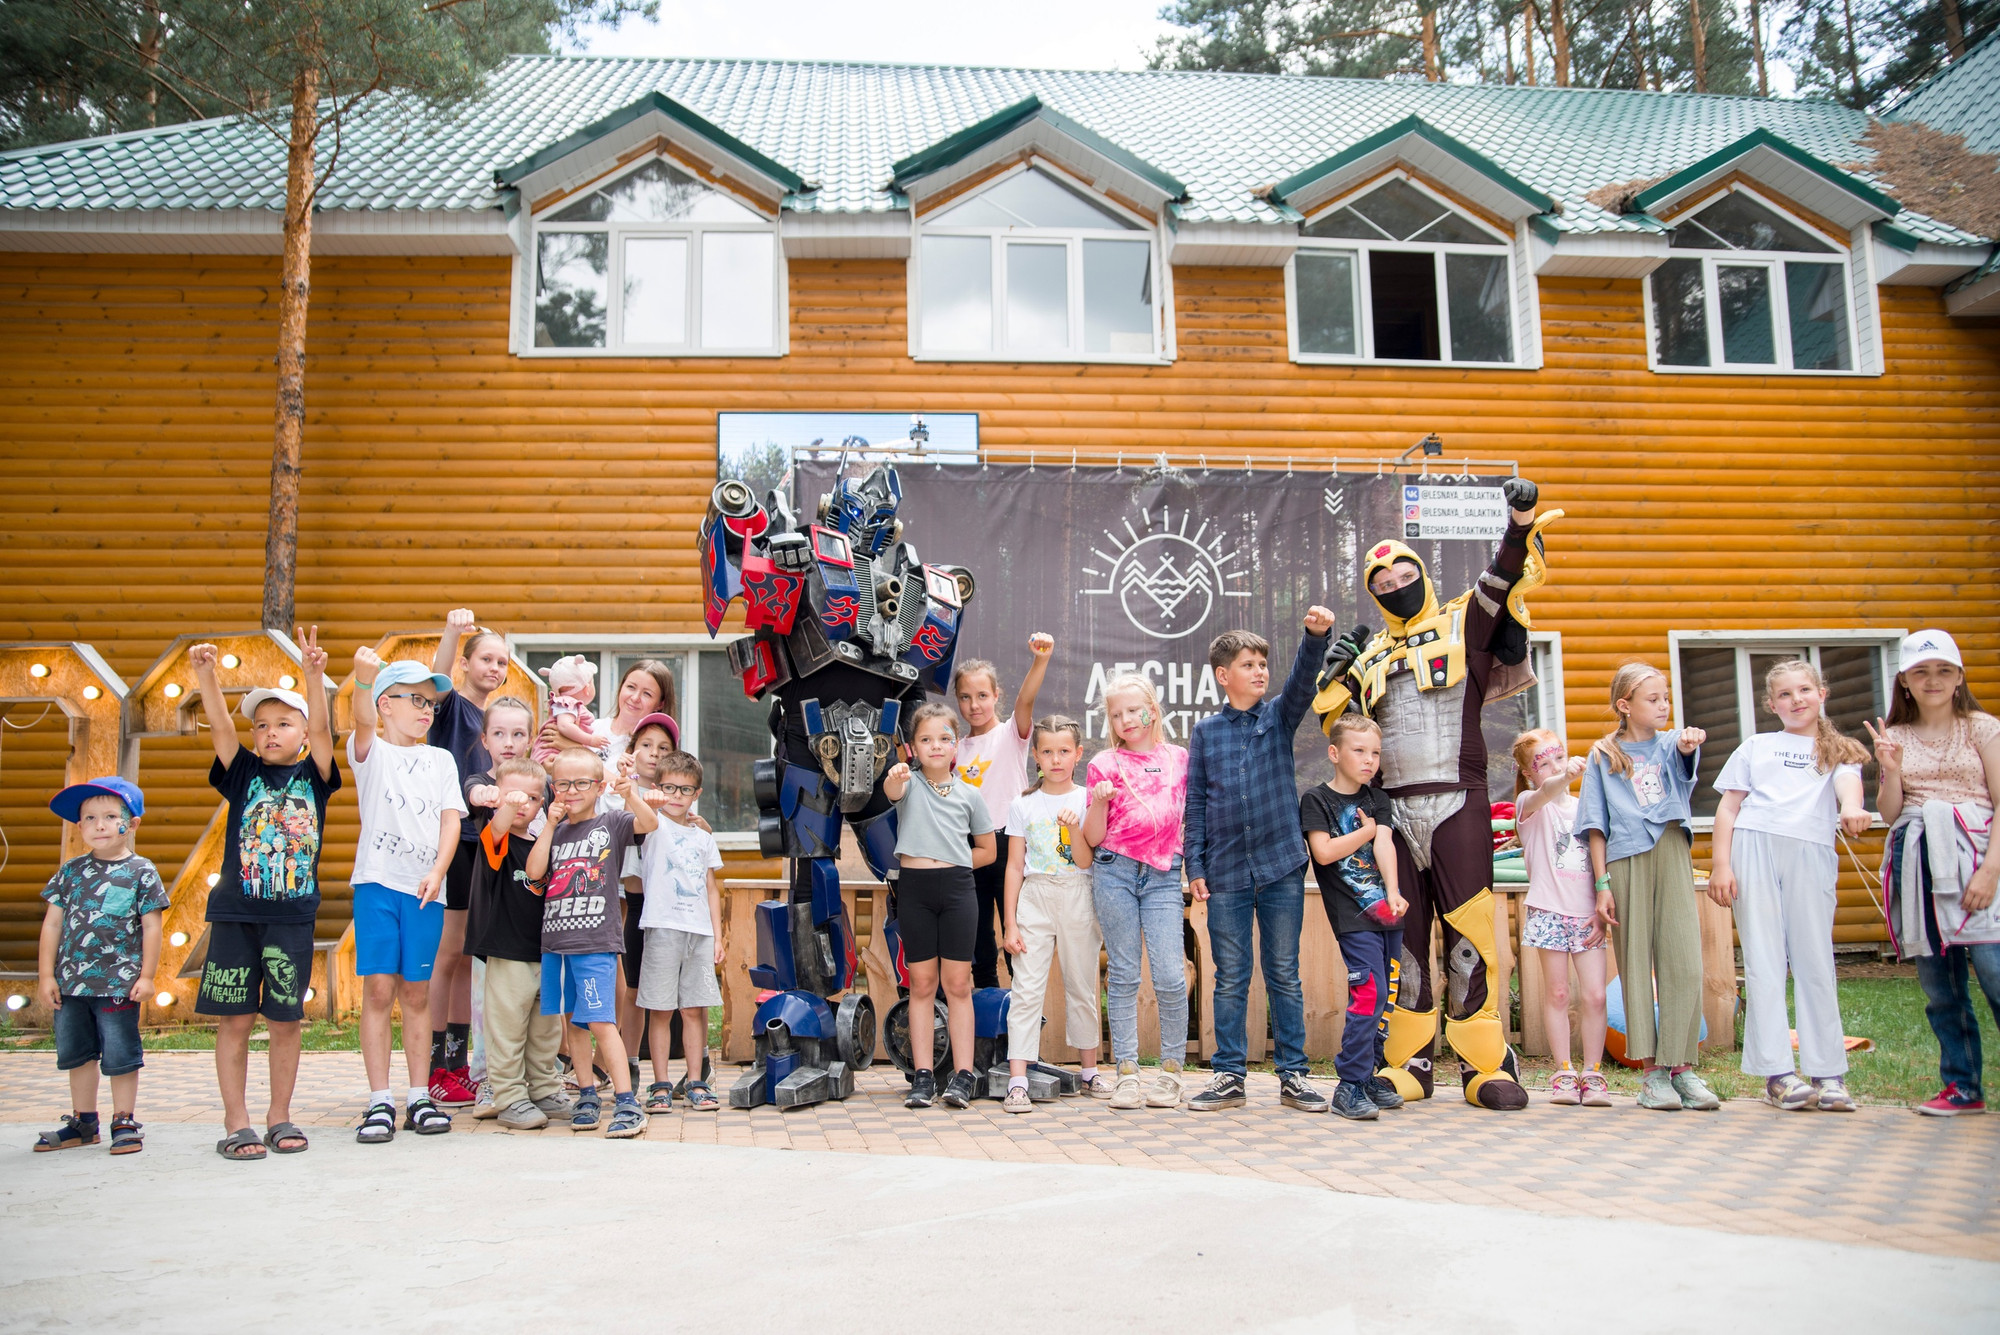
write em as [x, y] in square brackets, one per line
[1433, 57]
[1638, 48]
[1528, 40]
[1559, 36]
[1653, 47]
[1757, 46]
[1700, 35]
[1853, 56]
[150, 41]
[281, 540]
[1507, 40]
[1954, 30]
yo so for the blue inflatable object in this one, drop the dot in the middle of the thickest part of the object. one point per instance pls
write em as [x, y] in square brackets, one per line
[1614, 1018]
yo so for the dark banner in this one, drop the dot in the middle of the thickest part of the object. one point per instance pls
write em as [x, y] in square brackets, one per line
[1137, 569]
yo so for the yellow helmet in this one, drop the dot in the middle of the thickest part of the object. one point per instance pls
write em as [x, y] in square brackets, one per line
[1415, 602]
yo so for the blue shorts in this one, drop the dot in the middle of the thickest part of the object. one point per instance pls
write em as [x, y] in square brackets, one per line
[395, 934]
[104, 1030]
[583, 987]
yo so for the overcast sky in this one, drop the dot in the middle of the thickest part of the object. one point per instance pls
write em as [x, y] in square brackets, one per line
[1058, 34]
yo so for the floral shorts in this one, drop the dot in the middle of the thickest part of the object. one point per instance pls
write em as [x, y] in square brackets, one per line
[1556, 931]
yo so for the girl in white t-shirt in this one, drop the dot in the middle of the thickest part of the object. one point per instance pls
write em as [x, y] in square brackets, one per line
[1783, 793]
[993, 757]
[1561, 910]
[1047, 909]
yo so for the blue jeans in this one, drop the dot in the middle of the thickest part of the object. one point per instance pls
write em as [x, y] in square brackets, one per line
[1367, 956]
[104, 1030]
[1135, 900]
[1948, 1006]
[1278, 910]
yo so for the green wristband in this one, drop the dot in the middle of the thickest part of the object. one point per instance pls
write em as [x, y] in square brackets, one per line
[1603, 884]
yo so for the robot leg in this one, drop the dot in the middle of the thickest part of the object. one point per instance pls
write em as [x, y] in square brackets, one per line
[1492, 1075]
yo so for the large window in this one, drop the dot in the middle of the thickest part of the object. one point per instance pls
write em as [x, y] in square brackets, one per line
[1399, 275]
[719, 724]
[656, 263]
[1029, 269]
[1719, 688]
[1748, 289]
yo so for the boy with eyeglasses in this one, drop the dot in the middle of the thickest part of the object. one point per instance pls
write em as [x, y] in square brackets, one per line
[410, 808]
[683, 903]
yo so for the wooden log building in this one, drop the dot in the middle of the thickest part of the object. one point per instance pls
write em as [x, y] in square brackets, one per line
[1767, 395]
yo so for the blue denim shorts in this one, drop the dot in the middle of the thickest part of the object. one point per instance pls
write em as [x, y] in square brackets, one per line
[583, 987]
[393, 933]
[104, 1030]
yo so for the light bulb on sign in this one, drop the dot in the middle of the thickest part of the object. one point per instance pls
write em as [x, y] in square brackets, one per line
[38, 669]
[288, 682]
[16, 1002]
[230, 660]
[178, 939]
[173, 691]
[91, 692]
[163, 999]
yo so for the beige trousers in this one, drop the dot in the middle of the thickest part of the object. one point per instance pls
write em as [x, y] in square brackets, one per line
[521, 1042]
[1056, 919]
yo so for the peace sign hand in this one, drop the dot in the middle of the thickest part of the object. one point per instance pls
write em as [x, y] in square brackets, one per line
[1888, 754]
[310, 654]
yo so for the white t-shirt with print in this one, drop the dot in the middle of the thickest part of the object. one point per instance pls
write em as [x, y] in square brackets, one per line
[1049, 851]
[403, 792]
[674, 863]
[1783, 793]
[995, 763]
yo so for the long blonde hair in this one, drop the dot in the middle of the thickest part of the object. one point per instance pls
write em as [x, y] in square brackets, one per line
[1830, 746]
[1624, 682]
[1131, 683]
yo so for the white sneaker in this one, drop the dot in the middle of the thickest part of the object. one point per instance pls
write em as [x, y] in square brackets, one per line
[1017, 1100]
[1166, 1090]
[1101, 1086]
[482, 1103]
[1127, 1094]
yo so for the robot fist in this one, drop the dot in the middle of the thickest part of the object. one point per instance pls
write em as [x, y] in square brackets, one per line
[1521, 494]
[1340, 655]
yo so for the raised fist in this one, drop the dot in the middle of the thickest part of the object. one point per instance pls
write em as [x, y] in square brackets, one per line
[1521, 494]
[1340, 655]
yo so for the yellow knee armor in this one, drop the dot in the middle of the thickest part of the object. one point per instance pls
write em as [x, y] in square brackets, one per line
[1479, 1039]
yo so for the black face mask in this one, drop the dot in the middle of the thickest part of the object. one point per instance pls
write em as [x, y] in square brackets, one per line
[1403, 603]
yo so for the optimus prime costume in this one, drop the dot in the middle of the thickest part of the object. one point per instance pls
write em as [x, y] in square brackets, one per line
[1423, 680]
[849, 629]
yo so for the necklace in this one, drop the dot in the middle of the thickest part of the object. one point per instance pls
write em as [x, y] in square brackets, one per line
[941, 789]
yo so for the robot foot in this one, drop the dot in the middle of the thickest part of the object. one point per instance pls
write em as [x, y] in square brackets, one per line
[749, 1090]
[1412, 1079]
[1497, 1091]
[814, 1084]
[1044, 1082]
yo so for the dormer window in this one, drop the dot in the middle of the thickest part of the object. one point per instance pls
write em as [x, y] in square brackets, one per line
[1031, 269]
[1400, 274]
[1749, 288]
[656, 263]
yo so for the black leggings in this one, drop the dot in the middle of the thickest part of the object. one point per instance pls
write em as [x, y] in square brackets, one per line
[989, 886]
[935, 913]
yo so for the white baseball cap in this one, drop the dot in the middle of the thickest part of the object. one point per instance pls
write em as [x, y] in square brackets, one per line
[1927, 646]
[251, 699]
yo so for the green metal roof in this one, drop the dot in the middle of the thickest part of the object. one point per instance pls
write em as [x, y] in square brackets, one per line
[1415, 125]
[1648, 198]
[672, 110]
[1224, 137]
[956, 147]
[1962, 98]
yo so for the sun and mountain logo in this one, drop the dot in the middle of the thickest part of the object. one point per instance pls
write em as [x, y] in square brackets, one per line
[1166, 579]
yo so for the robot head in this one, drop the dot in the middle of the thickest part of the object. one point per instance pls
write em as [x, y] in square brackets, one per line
[1413, 601]
[866, 510]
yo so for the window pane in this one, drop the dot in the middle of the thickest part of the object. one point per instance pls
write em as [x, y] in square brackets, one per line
[1399, 208]
[1118, 297]
[958, 294]
[1855, 692]
[1326, 304]
[1037, 298]
[1818, 302]
[1680, 314]
[655, 284]
[736, 290]
[1402, 299]
[572, 285]
[1744, 296]
[1454, 230]
[1708, 702]
[1030, 199]
[1347, 223]
[656, 193]
[1475, 287]
[733, 735]
[1743, 224]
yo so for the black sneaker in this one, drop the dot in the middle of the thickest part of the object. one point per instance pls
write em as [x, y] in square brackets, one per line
[1223, 1091]
[961, 1089]
[1295, 1091]
[1382, 1092]
[923, 1090]
[1351, 1101]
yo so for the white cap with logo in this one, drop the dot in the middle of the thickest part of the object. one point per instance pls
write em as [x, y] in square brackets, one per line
[1928, 646]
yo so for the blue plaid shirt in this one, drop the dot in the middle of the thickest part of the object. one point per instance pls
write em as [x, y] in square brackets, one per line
[1242, 789]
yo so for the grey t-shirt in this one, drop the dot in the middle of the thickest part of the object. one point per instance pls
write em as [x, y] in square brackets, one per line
[932, 826]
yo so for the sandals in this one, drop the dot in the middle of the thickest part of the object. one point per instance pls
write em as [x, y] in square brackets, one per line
[700, 1098]
[659, 1097]
[125, 1135]
[626, 1122]
[587, 1111]
[424, 1117]
[682, 1085]
[378, 1125]
[73, 1132]
[242, 1146]
[280, 1131]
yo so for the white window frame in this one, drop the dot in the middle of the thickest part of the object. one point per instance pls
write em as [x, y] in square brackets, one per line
[1148, 231]
[1545, 656]
[1840, 258]
[1357, 248]
[528, 273]
[610, 648]
[1746, 642]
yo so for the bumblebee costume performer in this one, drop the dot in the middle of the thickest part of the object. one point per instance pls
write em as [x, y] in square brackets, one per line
[1424, 679]
[849, 629]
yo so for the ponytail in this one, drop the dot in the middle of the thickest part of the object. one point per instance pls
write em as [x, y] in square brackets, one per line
[1626, 680]
[1048, 726]
[1831, 747]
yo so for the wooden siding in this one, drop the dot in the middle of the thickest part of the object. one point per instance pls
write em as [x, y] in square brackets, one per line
[441, 470]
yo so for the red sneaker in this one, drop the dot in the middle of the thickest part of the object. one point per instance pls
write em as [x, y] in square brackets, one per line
[1952, 1101]
[451, 1087]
